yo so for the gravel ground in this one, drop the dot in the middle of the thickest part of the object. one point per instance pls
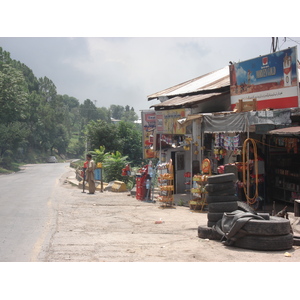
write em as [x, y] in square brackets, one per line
[115, 227]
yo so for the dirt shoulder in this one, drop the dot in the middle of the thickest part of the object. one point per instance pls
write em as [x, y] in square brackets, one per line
[115, 227]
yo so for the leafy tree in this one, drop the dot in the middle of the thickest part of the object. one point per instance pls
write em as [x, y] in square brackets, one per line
[129, 115]
[88, 111]
[116, 111]
[104, 114]
[113, 164]
[100, 133]
[130, 138]
[47, 89]
[99, 154]
[13, 136]
[13, 95]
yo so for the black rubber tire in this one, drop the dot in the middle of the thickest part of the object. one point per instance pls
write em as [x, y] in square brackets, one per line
[266, 216]
[245, 207]
[222, 206]
[215, 187]
[273, 227]
[265, 243]
[205, 232]
[227, 192]
[214, 217]
[211, 223]
[296, 240]
[221, 178]
[214, 199]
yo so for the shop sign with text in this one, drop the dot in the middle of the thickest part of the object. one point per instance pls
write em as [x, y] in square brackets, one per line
[270, 79]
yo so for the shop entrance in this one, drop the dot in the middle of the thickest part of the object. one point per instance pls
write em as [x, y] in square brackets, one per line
[178, 161]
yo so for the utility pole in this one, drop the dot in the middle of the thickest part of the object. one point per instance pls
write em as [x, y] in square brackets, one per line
[274, 44]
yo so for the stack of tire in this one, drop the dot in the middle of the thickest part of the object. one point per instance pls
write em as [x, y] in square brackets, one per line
[221, 196]
[269, 234]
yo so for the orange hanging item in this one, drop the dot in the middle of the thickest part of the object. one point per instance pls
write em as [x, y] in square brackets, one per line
[206, 169]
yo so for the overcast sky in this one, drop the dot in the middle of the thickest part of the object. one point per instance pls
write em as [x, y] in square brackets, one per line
[115, 69]
[126, 70]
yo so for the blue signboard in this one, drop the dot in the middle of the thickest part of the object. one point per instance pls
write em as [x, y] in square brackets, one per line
[271, 79]
[98, 174]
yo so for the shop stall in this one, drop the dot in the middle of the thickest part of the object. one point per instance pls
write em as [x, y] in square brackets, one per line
[237, 143]
[284, 163]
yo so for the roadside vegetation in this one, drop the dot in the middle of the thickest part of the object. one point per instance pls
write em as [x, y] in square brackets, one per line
[36, 122]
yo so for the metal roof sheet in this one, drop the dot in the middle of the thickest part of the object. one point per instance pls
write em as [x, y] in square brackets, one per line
[286, 131]
[213, 80]
[181, 101]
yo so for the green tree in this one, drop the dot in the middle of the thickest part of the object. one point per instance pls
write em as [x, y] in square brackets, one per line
[130, 137]
[47, 89]
[88, 111]
[13, 95]
[116, 111]
[13, 136]
[104, 114]
[99, 154]
[113, 164]
[100, 133]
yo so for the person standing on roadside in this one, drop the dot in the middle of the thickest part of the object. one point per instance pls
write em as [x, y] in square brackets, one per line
[90, 177]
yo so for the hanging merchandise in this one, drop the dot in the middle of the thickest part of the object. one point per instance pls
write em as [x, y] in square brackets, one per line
[291, 145]
[206, 167]
[220, 153]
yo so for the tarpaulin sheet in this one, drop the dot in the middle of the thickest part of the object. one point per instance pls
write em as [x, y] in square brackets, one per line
[224, 123]
[274, 117]
[240, 122]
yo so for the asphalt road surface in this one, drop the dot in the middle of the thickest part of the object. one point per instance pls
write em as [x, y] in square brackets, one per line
[26, 210]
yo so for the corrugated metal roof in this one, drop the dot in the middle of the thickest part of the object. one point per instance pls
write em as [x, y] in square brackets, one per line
[210, 81]
[181, 101]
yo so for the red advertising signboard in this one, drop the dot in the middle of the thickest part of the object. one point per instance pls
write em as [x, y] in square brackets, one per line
[149, 125]
[270, 79]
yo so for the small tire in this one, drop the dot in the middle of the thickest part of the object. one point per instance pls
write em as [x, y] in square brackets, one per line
[215, 187]
[214, 199]
[221, 178]
[222, 206]
[205, 232]
[214, 217]
[265, 243]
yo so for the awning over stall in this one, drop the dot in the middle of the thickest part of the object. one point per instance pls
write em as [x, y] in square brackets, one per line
[240, 122]
[224, 123]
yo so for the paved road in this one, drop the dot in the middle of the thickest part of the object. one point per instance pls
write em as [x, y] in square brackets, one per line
[26, 210]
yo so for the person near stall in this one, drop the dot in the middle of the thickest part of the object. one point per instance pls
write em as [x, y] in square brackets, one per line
[90, 176]
[261, 171]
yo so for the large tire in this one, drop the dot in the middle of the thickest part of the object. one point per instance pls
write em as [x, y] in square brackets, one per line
[266, 243]
[221, 178]
[205, 232]
[215, 187]
[214, 199]
[214, 217]
[227, 192]
[222, 206]
[272, 227]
